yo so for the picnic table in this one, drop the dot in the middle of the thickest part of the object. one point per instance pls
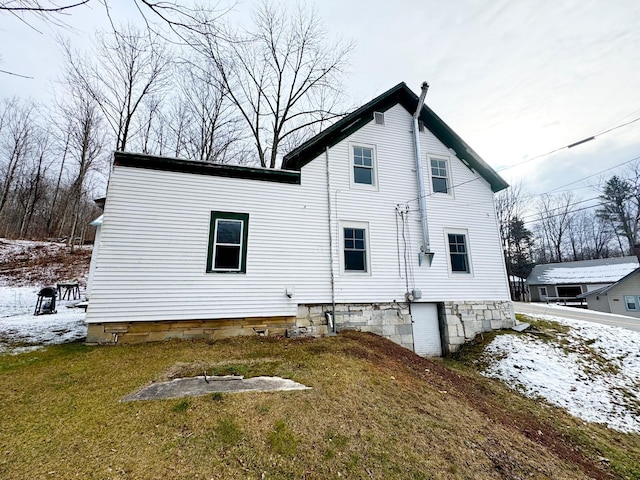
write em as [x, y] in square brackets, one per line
[69, 290]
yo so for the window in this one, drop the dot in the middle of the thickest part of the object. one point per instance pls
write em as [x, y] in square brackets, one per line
[378, 118]
[458, 254]
[363, 159]
[569, 291]
[631, 302]
[355, 249]
[439, 175]
[228, 234]
[543, 291]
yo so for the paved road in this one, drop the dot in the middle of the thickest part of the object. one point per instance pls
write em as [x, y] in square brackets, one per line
[623, 321]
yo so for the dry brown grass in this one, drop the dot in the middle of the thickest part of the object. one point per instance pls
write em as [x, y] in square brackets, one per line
[42, 263]
[375, 411]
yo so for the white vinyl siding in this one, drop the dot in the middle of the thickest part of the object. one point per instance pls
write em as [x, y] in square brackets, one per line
[155, 236]
[155, 240]
[471, 210]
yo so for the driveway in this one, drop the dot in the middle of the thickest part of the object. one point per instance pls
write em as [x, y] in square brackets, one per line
[630, 323]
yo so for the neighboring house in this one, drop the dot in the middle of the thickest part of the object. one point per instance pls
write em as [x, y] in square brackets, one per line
[346, 235]
[568, 280]
[621, 297]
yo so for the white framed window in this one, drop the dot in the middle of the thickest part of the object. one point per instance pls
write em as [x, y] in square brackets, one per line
[440, 175]
[631, 303]
[543, 292]
[378, 118]
[356, 253]
[363, 166]
[458, 249]
[228, 233]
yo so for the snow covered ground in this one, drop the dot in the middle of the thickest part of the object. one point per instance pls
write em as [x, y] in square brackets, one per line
[593, 371]
[21, 330]
[25, 267]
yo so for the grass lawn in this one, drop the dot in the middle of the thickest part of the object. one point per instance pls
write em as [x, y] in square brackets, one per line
[376, 411]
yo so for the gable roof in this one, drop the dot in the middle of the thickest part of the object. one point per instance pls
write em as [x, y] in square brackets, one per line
[403, 95]
[604, 290]
[602, 270]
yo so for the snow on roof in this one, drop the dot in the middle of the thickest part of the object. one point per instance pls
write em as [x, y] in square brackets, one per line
[605, 270]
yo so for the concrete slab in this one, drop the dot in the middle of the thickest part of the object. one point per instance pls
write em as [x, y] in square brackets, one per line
[197, 386]
[520, 327]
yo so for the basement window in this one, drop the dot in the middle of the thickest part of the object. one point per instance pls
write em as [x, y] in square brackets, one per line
[228, 233]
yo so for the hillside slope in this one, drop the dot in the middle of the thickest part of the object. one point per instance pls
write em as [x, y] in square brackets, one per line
[375, 410]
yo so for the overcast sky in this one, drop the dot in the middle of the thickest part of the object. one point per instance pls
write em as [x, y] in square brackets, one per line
[515, 79]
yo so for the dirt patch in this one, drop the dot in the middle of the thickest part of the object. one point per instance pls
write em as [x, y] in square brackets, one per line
[42, 263]
[482, 398]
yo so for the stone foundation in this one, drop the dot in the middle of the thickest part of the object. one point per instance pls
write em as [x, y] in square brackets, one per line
[461, 321]
[389, 320]
[138, 332]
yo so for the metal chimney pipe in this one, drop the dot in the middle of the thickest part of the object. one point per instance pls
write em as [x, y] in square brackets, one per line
[425, 248]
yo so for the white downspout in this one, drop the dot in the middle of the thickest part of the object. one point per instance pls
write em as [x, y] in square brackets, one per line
[332, 319]
[425, 249]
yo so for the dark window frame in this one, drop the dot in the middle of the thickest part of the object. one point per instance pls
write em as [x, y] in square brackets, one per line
[458, 250]
[362, 167]
[233, 216]
[347, 251]
[438, 175]
[635, 298]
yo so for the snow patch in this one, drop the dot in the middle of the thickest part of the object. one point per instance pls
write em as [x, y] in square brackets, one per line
[20, 327]
[593, 371]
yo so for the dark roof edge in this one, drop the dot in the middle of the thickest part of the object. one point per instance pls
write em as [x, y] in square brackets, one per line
[403, 95]
[154, 162]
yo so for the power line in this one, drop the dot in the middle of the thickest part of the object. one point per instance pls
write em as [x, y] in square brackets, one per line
[557, 215]
[533, 215]
[592, 137]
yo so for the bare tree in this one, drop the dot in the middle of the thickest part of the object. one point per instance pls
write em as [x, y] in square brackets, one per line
[554, 217]
[34, 179]
[17, 134]
[213, 128]
[282, 75]
[131, 66]
[86, 142]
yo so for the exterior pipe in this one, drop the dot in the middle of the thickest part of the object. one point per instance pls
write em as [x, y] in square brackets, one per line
[333, 278]
[425, 248]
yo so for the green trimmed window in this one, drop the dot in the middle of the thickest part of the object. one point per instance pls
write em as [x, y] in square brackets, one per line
[228, 233]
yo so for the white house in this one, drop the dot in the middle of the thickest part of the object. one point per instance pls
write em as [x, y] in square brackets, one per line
[344, 236]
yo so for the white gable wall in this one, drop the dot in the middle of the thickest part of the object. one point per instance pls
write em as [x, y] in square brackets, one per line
[469, 209]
